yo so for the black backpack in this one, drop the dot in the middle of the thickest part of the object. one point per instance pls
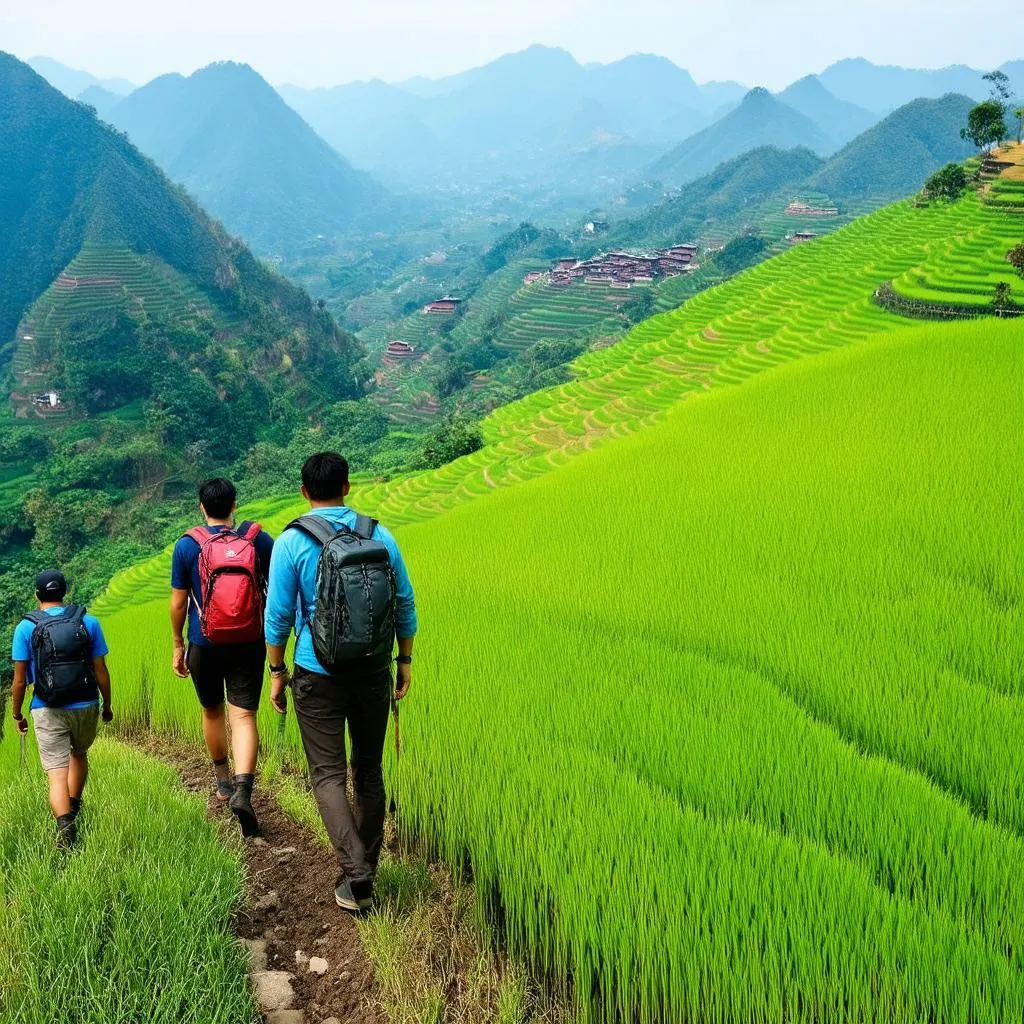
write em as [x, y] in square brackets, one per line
[62, 671]
[354, 620]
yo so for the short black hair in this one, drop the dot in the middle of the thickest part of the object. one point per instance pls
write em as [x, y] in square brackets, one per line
[324, 476]
[218, 497]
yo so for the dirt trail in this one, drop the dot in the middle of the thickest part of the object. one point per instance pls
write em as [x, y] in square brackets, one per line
[290, 903]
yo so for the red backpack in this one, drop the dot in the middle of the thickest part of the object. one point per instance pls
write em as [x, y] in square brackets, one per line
[232, 585]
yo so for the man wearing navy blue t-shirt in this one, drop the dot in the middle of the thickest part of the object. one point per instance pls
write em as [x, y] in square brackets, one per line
[234, 671]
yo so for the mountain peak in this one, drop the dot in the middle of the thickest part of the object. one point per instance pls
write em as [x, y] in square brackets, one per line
[760, 120]
[228, 136]
[759, 95]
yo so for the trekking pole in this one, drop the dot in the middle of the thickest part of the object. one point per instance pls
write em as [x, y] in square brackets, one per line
[21, 744]
[398, 752]
[398, 735]
[281, 721]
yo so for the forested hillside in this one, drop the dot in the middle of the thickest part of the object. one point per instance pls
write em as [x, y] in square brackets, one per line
[895, 156]
[724, 199]
[172, 348]
[234, 144]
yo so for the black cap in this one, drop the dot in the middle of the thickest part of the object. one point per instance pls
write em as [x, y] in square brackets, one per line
[51, 586]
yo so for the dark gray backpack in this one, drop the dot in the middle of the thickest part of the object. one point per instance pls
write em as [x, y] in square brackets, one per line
[62, 658]
[354, 619]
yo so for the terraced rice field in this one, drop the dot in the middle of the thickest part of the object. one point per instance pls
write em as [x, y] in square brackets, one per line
[543, 312]
[104, 275]
[14, 482]
[808, 300]
[734, 735]
[965, 270]
[731, 728]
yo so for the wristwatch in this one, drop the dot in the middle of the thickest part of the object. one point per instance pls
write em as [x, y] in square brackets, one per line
[18, 717]
[277, 670]
[404, 659]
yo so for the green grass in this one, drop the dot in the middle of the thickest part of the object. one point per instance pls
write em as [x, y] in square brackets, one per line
[810, 299]
[725, 716]
[965, 269]
[134, 925]
[736, 734]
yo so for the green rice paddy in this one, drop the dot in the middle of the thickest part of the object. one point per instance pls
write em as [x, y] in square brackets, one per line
[724, 717]
[967, 267]
[135, 924]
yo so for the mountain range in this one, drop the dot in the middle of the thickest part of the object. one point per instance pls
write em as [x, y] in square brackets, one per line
[73, 82]
[247, 157]
[882, 88]
[279, 167]
[498, 121]
[760, 120]
[71, 185]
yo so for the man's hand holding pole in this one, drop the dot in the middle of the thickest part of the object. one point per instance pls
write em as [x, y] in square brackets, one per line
[18, 688]
[403, 667]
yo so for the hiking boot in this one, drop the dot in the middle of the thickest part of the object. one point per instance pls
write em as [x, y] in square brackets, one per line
[240, 805]
[223, 792]
[353, 897]
[67, 831]
[76, 806]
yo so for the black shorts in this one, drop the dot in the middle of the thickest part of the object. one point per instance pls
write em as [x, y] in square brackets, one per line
[236, 670]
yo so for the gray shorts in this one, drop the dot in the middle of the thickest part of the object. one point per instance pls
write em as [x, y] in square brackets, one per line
[60, 732]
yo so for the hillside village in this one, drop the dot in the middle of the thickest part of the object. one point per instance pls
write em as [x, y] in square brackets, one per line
[622, 268]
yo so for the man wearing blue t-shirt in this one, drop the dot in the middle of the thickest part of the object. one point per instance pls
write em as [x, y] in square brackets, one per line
[60, 651]
[325, 704]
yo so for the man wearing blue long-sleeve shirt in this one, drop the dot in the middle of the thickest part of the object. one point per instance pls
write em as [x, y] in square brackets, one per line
[324, 703]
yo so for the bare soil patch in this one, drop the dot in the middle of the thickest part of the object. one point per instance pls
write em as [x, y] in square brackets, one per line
[290, 901]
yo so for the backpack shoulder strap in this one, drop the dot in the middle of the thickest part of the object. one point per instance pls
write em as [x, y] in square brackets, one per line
[252, 532]
[365, 527]
[314, 526]
[37, 618]
[199, 535]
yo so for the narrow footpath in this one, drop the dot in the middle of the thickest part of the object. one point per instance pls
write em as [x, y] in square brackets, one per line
[307, 962]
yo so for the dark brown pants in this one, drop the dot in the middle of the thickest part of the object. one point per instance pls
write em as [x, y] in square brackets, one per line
[323, 705]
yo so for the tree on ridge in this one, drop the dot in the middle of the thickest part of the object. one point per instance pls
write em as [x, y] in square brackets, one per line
[986, 125]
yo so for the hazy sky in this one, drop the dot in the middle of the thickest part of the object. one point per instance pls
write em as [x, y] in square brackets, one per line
[324, 42]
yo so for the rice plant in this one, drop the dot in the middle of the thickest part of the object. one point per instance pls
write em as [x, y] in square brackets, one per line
[134, 924]
[725, 717]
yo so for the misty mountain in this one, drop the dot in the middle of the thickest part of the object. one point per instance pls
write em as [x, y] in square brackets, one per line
[760, 120]
[231, 140]
[73, 82]
[838, 119]
[894, 157]
[101, 100]
[69, 181]
[882, 88]
[373, 124]
[525, 116]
